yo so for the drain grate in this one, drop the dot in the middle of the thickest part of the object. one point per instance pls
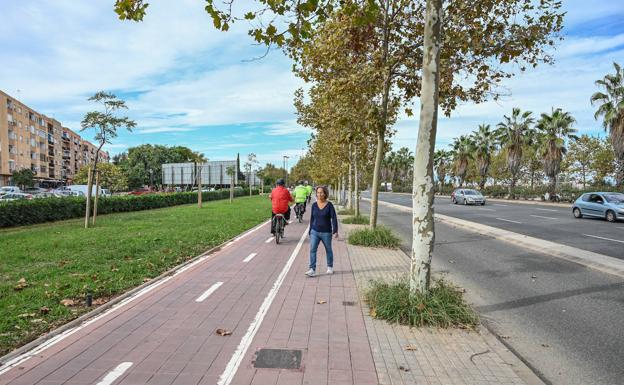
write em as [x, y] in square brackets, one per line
[278, 359]
[348, 303]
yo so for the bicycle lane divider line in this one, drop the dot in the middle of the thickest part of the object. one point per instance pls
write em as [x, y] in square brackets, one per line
[34, 351]
[269, 240]
[115, 373]
[232, 367]
[207, 293]
[509, 220]
[249, 257]
[540, 216]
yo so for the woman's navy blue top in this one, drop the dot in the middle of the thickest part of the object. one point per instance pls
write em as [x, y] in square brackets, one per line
[324, 220]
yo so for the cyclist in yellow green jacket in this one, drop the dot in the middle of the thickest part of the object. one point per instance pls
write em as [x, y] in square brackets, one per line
[309, 189]
[301, 196]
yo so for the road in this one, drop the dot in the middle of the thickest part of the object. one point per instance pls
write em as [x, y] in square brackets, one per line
[545, 221]
[563, 319]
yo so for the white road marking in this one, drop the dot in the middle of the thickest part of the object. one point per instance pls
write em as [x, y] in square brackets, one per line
[5, 367]
[621, 227]
[498, 204]
[487, 209]
[508, 220]
[607, 239]
[210, 290]
[250, 257]
[115, 373]
[239, 354]
[269, 240]
[539, 216]
[547, 210]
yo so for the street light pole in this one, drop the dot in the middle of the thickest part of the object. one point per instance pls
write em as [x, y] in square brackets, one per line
[286, 169]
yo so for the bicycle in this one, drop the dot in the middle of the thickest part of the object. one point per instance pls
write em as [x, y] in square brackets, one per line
[299, 211]
[278, 225]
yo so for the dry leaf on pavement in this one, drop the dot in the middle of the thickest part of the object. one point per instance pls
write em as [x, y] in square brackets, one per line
[321, 301]
[223, 332]
[410, 347]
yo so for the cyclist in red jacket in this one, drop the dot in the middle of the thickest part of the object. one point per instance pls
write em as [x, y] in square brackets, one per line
[280, 198]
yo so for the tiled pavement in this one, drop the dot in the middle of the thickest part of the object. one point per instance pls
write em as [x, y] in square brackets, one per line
[441, 356]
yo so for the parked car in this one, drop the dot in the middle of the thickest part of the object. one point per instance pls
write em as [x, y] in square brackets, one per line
[47, 194]
[141, 191]
[106, 192]
[607, 205]
[467, 196]
[83, 188]
[9, 189]
[14, 197]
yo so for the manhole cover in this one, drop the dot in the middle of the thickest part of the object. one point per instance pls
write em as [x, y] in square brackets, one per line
[348, 303]
[278, 359]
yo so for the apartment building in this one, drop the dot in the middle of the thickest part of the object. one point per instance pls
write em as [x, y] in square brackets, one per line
[29, 139]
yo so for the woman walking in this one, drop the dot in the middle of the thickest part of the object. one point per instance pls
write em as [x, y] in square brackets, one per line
[323, 224]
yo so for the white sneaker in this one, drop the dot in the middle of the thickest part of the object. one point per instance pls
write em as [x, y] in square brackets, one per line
[310, 273]
[330, 270]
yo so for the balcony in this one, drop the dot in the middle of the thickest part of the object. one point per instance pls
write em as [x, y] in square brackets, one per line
[12, 135]
[43, 158]
[66, 154]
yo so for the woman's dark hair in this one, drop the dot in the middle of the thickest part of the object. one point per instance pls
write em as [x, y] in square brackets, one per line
[324, 188]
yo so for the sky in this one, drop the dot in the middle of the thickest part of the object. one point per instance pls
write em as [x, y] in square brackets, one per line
[188, 84]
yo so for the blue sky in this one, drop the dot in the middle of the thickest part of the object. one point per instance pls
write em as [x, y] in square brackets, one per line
[187, 84]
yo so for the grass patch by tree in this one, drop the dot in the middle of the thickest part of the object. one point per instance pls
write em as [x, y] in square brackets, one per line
[42, 265]
[346, 212]
[443, 306]
[380, 236]
[356, 220]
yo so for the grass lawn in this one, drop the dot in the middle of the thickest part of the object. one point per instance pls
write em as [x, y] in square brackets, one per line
[42, 265]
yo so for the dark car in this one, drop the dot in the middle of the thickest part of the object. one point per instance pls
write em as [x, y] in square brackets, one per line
[607, 205]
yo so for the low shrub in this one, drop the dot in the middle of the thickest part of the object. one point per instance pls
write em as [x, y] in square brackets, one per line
[443, 306]
[378, 237]
[29, 212]
[356, 220]
[346, 212]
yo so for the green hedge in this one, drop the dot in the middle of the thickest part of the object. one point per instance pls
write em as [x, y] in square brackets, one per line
[29, 212]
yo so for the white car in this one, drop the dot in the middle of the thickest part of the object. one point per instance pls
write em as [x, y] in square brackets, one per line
[14, 197]
[9, 189]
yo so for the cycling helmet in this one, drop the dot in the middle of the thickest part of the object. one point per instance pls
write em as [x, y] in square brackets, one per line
[280, 182]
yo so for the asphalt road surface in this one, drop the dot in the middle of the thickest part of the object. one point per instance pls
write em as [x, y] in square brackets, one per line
[566, 321]
[555, 224]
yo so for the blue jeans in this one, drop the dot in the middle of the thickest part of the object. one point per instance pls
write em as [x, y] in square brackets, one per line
[315, 239]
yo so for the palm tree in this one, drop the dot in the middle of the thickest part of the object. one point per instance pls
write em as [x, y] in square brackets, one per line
[612, 110]
[512, 133]
[462, 153]
[484, 145]
[440, 162]
[552, 131]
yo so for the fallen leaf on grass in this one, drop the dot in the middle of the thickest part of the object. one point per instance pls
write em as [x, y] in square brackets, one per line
[321, 301]
[26, 315]
[373, 313]
[20, 284]
[146, 280]
[223, 332]
[99, 301]
[37, 321]
[421, 306]
[410, 347]
[67, 302]
[44, 310]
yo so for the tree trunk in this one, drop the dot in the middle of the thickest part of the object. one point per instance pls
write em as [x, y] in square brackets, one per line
[584, 178]
[88, 208]
[350, 181]
[357, 184]
[376, 183]
[512, 185]
[97, 195]
[423, 234]
[231, 189]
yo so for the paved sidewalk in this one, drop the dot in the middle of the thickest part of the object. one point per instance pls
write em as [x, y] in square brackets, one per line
[442, 356]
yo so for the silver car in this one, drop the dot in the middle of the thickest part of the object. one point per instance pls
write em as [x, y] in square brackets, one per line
[608, 205]
[467, 196]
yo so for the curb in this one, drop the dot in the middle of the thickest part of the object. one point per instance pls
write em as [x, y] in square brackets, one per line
[600, 262]
[6, 359]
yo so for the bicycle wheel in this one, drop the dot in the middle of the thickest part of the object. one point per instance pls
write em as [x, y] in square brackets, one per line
[278, 230]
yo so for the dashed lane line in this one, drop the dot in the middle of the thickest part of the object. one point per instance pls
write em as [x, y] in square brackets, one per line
[606, 239]
[509, 220]
[115, 373]
[250, 257]
[487, 209]
[207, 293]
[269, 240]
[498, 204]
[540, 216]
[556, 211]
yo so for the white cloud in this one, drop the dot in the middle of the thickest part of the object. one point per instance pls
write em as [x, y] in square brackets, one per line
[287, 128]
[164, 130]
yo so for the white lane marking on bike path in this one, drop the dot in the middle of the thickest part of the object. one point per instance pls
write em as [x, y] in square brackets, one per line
[268, 240]
[539, 216]
[250, 257]
[115, 373]
[555, 211]
[487, 209]
[498, 204]
[606, 239]
[239, 354]
[508, 220]
[210, 290]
